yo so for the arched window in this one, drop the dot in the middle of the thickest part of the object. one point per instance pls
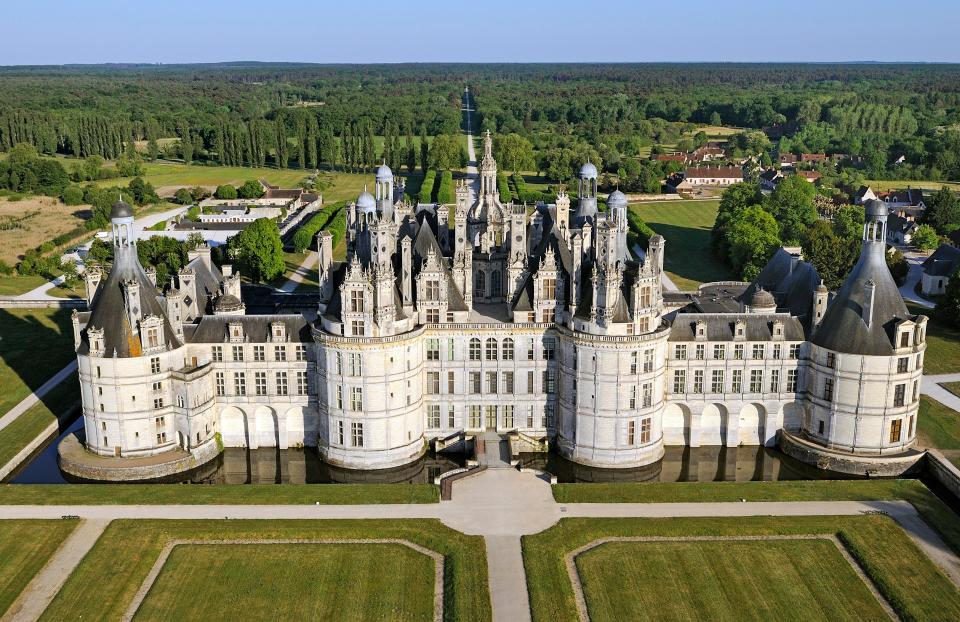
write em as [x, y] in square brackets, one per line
[474, 349]
[508, 349]
[495, 283]
[481, 283]
[491, 349]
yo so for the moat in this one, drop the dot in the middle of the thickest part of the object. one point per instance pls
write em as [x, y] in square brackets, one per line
[303, 466]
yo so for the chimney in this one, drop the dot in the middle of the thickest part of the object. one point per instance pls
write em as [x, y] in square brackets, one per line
[869, 292]
[325, 251]
[407, 268]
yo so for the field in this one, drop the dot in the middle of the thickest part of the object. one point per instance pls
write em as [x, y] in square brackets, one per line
[803, 574]
[25, 546]
[360, 585]
[43, 218]
[943, 344]
[686, 226]
[901, 184]
[163, 175]
[29, 425]
[13, 285]
[24, 333]
[718, 580]
[267, 581]
[939, 426]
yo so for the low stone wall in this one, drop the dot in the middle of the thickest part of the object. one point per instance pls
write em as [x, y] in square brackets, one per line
[44, 303]
[78, 462]
[870, 466]
[942, 470]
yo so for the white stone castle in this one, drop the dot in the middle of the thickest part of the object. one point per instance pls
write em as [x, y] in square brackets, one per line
[536, 322]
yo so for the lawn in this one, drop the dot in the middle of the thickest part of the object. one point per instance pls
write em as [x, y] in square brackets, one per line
[14, 285]
[902, 572]
[39, 219]
[943, 344]
[25, 546]
[719, 581]
[32, 423]
[686, 226]
[938, 425]
[267, 581]
[953, 387]
[122, 558]
[241, 494]
[25, 333]
[901, 184]
[162, 175]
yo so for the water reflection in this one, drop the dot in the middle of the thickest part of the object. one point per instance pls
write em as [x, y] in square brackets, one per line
[689, 464]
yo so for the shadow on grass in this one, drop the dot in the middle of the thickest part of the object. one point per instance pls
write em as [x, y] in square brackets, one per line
[689, 255]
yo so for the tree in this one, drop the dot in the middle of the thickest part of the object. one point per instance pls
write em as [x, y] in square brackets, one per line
[251, 189]
[735, 198]
[948, 306]
[91, 167]
[752, 239]
[226, 191]
[424, 149]
[899, 268]
[73, 195]
[925, 238]
[791, 205]
[183, 196]
[715, 119]
[825, 250]
[447, 152]
[258, 251]
[513, 152]
[943, 211]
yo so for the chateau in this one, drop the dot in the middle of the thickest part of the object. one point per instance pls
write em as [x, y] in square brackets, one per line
[540, 322]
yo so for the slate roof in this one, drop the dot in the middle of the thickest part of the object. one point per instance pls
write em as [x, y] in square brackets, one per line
[256, 328]
[943, 262]
[721, 326]
[792, 282]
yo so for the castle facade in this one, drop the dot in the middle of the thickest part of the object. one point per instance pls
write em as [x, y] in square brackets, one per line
[541, 322]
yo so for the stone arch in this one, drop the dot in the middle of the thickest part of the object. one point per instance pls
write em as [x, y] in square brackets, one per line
[267, 428]
[751, 424]
[676, 424]
[182, 441]
[792, 417]
[481, 284]
[235, 427]
[713, 425]
[296, 426]
[495, 283]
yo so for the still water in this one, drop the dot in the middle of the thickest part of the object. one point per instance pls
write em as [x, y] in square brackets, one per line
[303, 466]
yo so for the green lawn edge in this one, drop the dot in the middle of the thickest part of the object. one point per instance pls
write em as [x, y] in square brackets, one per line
[55, 405]
[25, 547]
[223, 494]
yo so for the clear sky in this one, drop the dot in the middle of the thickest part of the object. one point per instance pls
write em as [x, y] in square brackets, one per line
[362, 31]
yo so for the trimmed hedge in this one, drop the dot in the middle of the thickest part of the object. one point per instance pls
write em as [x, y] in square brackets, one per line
[304, 236]
[503, 187]
[426, 187]
[639, 232]
[445, 191]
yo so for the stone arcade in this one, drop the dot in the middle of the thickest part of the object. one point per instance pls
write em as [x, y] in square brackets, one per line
[538, 322]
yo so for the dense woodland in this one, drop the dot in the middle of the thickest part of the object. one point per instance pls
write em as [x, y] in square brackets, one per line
[350, 117]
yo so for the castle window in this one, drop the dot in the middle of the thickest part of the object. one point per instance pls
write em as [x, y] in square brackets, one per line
[450, 349]
[221, 388]
[530, 416]
[716, 381]
[153, 337]
[451, 417]
[700, 353]
[791, 381]
[357, 328]
[647, 361]
[698, 381]
[433, 316]
[738, 352]
[828, 389]
[281, 383]
[902, 363]
[757, 352]
[916, 386]
[155, 365]
[530, 351]
[549, 348]
[481, 283]
[475, 382]
[451, 382]
[260, 382]
[680, 381]
[777, 351]
[355, 364]
[433, 349]
[508, 349]
[492, 382]
[475, 416]
[508, 382]
[217, 354]
[644, 297]
[680, 352]
[756, 380]
[238, 353]
[495, 282]
[158, 386]
[795, 351]
[831, 360]
[719, 351]
[820, 427]
[550, 381]
[340, 396]
[280, 353]
[531, 388]
[356, 433]
[904, 339]
[301, 352]
[474, 349]
[158, 402]
[508, 416]
[433, 416]
[774, 380]
[910, 429]
[895, 430]
[549, 315]
[356, 399]
[633, 397]
[630, 433]
[302, 383]
[549, 289]
[633, 362]
[647, 395]
[548, 421]
[431, 290]
[340, 432]
[356, 301]
[258, 354]
[899, 392]
[491, 349]
[239, 384]
[736, 381]
[433, 383]
[645, 430]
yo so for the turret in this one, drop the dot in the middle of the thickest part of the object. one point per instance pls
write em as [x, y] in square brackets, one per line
[820, 298]
[587, 194]
[563, 213]
[406, 263]
[384, 190]
[324, 266]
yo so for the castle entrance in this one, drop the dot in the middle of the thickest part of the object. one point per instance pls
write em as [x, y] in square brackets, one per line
[491, 417]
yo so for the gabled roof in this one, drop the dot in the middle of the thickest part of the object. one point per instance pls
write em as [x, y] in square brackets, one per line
[943, 262]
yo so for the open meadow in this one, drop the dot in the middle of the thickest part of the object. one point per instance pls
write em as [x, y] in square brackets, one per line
[31, 221]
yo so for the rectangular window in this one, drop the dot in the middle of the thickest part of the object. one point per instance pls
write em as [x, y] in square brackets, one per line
[795, 351]
[828, 389]
[302, 384]
[474, 416]
[679, 381]
[475, 382]
[831, 361]
[531, 388]
[433, 416]
[701, 352]
[258, 354]
[633, 362]
[356, 301]
[356, 399]
[716, 381]
[239, 384]
[433, 316]
[680, 352]
[549, 348]
[647, 395]
[895, 430]
[549, 315]
[791, 381]
[550, 381]
[757, 352]
[474, 349]
[217, 354]
[530, 416]
[549, 289]
[916, 386]
[756, 381]
[631, 439]
[490, 349]
[431, 290]
[508, 349]
[260, 382]
[281, 383]
[777, 351]
[647, 361]
[902, 363]
[238, 353]
[530, 351]
[719, 351]
[433, 385]
[508, 382]
[645, 430]
[340, 396]
[644, 297]
[633, 397]
[736, 381]
[508, 416]
[738, 352]
[301, 352]
[698, 381]
[357, 328]
[158, 402]
[356, 433]
[155, 365]
[492, 382]
[340, 432]
[774, 380]
[451, 417]
[433, 349]
[899, 393]
[280, 353]
[221, 387]
[451, 383]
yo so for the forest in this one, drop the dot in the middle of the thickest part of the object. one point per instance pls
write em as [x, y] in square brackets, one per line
[902, 120]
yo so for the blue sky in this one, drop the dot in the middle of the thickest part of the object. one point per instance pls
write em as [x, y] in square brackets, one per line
[173, 31]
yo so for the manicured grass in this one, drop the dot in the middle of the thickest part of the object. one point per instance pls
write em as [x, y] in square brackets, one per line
[901, 184]
[34, 345]
[162, 174]
[686, 226]
[938, 424]
[14, 285]
[32, 423]
[268, 582]
[123, 556]
[937, 514]
[25, 546]
[241, 494]
[943, 344]
[953, 387]
[719, 581]
[904, 574]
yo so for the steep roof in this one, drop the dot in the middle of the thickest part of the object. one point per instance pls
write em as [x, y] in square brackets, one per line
[943, 262]
[721, 326]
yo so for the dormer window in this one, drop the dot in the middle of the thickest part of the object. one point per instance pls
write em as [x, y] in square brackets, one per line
[151, 333]
[235, 330]
[778, 329]
[700, 330]
[905, 339]
[278, 331]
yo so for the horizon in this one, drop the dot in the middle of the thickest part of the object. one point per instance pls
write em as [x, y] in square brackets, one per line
[113, 32]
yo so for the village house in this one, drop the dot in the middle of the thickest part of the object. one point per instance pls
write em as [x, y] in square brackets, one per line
[938, 268]
[698, 177]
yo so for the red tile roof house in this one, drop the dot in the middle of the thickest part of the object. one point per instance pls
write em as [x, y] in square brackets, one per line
[811, 176]
[670, 157]
[706, 154]
[706, 176]
[787, 159]
[813, 157]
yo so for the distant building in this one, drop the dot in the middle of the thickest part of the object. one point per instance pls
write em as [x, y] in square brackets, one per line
[770, 178]
[900, 230]
[699, 177]
[787, 160]
[811, 176]
[863, 195]
[812, 158]
[938, 268]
